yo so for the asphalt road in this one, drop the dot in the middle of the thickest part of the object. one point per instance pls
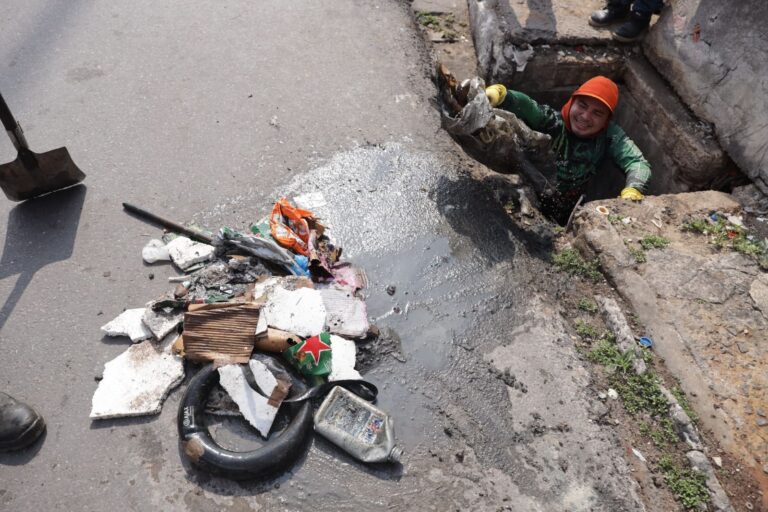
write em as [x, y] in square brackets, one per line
[206, 113]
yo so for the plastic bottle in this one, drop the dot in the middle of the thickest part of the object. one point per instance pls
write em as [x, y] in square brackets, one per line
[358, 427]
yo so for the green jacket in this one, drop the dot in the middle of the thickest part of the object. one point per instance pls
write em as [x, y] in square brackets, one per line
[578, 159]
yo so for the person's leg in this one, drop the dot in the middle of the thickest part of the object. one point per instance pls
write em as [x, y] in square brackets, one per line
[614, 10]
[20, 425]
[639, 19]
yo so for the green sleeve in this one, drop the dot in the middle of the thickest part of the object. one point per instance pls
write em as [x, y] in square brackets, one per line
[541, 118]
[628, 157]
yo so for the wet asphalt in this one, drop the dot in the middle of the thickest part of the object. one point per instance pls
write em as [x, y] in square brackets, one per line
[207, 114]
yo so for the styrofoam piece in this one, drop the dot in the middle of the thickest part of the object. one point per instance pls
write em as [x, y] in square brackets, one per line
[300, 311]
[161, 323]
[254, 407]
[261, 325]
[185, 252]
[155, 250]
[343, 359]
[137, 381]
[346, 314]
[128, 323]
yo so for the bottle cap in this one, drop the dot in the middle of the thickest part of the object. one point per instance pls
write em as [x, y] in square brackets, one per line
[395, 454]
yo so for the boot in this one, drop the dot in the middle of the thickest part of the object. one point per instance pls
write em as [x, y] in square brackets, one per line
[631, 31]
[20, 425]
[612, 13]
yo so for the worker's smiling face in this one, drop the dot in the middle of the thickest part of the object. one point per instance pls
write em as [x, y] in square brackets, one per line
[588, 116]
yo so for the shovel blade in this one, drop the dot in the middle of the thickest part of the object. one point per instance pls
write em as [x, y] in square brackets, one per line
[25, 178]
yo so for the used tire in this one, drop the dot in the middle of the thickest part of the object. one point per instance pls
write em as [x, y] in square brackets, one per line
[201, 449]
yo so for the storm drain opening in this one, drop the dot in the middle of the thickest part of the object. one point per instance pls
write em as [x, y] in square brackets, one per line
[684, 154]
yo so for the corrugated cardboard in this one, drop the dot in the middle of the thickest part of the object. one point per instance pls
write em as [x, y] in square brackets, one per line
[220, 332]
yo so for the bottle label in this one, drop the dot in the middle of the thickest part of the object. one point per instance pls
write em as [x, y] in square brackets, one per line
[358, 422]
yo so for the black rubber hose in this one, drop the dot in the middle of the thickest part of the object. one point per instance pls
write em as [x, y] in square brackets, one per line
[268, 460]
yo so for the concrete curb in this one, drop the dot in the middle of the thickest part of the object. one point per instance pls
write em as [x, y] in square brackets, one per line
[617, 322]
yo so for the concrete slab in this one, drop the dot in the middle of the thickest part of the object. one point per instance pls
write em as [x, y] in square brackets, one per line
[713, 55]
[683, 151]
[552, 21]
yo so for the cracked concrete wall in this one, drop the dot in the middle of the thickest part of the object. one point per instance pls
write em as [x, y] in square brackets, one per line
[715, 56]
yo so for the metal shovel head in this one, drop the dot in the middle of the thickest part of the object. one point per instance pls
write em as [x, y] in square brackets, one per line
[35, 174]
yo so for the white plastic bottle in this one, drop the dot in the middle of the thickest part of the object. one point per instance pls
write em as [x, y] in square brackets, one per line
[355, 425]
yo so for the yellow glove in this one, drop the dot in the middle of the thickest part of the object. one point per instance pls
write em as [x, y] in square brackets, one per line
[632, 194]
[496, 94]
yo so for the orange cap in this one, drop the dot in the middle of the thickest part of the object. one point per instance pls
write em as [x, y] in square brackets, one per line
[601, 88]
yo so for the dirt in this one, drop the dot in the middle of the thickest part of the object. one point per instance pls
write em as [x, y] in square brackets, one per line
[705, 293]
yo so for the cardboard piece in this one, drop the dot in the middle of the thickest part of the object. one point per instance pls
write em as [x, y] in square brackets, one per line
[221, 332]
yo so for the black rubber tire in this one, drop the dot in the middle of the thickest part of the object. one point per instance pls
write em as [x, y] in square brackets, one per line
[202, 450]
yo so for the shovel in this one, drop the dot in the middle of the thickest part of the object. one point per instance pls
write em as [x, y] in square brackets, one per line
[34, 174]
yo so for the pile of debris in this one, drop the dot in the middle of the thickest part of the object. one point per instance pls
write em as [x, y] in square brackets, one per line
[247, 304]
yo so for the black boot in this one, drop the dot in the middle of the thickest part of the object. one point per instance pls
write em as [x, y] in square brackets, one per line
[20, 425]
[612, 13]
[631, 31]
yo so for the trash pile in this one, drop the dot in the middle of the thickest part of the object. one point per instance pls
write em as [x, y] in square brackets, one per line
[272, 314]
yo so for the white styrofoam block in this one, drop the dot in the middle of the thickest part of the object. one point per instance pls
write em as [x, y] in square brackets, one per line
[346, 314]
[185, 252]
[299, 311]
[343, 359]
[254, 407]
[155, 250]
[128, 323]
[161, 323]
[137, 381]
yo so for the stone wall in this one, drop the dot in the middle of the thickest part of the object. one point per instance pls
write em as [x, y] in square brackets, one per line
[715, 55]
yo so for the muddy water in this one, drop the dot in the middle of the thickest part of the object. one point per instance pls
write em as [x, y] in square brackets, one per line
[449, 251]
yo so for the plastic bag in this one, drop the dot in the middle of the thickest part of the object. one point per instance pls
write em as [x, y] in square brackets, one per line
[290, 226]
[501, 140]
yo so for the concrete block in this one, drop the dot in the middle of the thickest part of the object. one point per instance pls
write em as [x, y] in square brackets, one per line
[563, 69]
[713, 55]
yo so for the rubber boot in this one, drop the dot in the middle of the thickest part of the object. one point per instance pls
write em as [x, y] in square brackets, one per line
[612, 13]
[20, 425]
[631, 31]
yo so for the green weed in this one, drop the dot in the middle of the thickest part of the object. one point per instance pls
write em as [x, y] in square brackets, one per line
[639, 393]
[571, 262]
[587, 331]
[638, 255]
[588, 306]
[653, 242]
[428, 19]
[723, 234]
[684, 403]
[688, 485]
[662, 435]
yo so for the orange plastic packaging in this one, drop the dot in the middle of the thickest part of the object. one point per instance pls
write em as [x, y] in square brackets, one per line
[290, 226]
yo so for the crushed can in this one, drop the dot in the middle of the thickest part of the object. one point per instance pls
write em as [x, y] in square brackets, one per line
[357, 426]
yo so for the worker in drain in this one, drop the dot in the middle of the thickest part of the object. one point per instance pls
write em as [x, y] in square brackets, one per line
[582, 136]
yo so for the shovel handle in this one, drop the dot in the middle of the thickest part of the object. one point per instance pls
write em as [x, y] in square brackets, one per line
[168, 224]
[12, 127]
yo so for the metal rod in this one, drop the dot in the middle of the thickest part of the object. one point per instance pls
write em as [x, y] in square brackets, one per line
[173, 226]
